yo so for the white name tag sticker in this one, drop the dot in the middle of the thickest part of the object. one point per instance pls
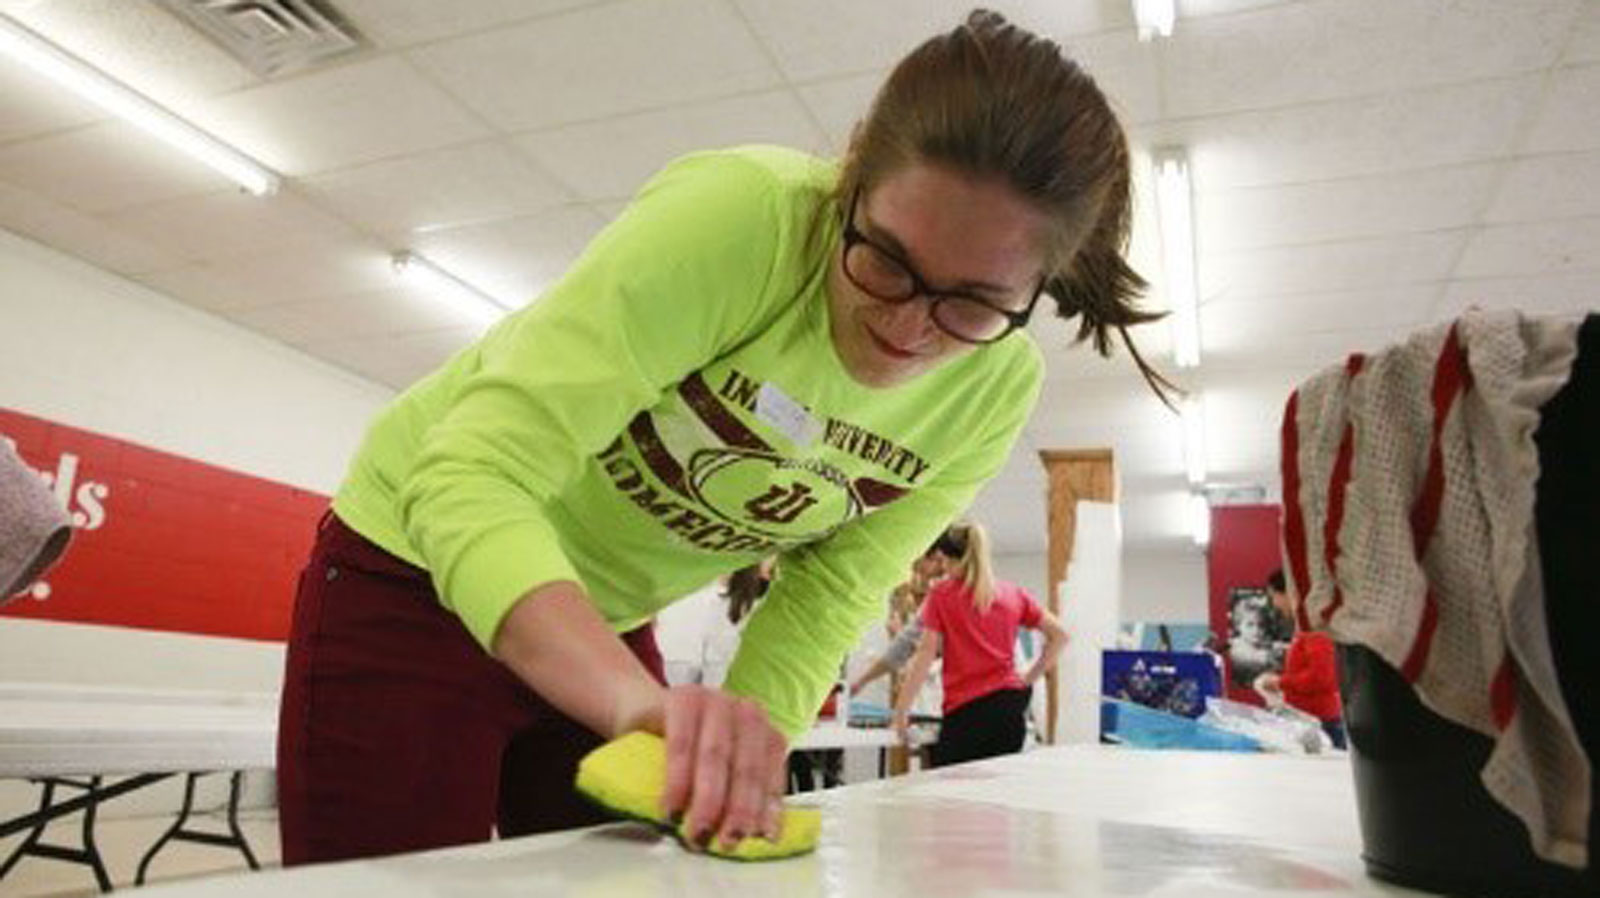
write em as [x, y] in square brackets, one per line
[791, 419]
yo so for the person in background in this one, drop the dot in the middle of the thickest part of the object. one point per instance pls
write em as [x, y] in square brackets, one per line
[905, 620]
[765, 353]
[973, 617]
[1309, 681]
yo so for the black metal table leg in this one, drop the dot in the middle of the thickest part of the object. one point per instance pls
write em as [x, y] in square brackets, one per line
[34, 846]
[234, 838]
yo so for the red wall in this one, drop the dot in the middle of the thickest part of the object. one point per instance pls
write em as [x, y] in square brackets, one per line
[162, 542]
[1245, 548]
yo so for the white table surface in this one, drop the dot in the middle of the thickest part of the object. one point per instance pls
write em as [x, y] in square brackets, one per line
[1071, 821]
[48, 730]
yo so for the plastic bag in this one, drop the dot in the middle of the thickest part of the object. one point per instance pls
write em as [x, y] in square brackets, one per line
[1282, 729]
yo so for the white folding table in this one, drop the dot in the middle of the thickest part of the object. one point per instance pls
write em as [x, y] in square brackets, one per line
[74, 738]
[1069, 821]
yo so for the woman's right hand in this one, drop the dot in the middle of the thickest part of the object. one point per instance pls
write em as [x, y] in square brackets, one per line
[725, 765]
[725, 761]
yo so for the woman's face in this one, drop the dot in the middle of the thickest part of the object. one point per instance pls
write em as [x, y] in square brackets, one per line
[974, 237]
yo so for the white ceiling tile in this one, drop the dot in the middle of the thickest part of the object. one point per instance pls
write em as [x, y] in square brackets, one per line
[1553, 248]
[610, 159]
[141, 45]
[290, 271]
[1549, 187]
[1402, 203]
[337, 117]
[828, 38]
[1309, 351]
[1585, 42]
[513, 259]
[1127, 71]
[1563, 294]
[31, 106]
[232, 223]
[601, 61]
[608, 210]
[397, 361]
[77, 234]
[1279, 271]
[1238, 329]
[399, 23]
[1194, 9]
[1322, 141]
[1325, 49]
[840, 103]
[439, 188]
[351, 316]
[1569, 119]
[105, 167]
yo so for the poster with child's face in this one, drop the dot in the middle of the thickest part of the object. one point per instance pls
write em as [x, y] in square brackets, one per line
[1258, 635]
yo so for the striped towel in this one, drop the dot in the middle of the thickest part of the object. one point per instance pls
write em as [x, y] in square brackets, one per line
[1408, 481]
[34, 528]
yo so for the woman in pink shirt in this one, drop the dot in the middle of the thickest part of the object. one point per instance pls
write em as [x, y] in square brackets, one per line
[973, 617]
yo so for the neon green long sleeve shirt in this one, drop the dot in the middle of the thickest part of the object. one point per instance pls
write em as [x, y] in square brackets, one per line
[672, 409]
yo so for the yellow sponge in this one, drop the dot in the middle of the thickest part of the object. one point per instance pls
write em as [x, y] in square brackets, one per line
[627, 776]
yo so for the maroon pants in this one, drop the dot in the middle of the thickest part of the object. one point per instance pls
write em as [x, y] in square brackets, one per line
[397, 732]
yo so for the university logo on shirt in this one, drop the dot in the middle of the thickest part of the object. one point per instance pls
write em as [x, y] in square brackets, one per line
[706, 475]
[765, 493]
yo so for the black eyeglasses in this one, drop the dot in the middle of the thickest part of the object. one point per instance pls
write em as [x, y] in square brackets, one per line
[886, 277]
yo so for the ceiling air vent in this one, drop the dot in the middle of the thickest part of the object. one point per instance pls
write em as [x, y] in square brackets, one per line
[272, 37]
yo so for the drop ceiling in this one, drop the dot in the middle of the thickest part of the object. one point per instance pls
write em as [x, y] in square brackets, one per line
[1362, 168]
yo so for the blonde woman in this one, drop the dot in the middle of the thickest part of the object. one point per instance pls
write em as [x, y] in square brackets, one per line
[973, 617]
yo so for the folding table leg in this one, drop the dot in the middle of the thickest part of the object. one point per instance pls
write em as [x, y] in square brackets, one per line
[233, 839]
[88, 855]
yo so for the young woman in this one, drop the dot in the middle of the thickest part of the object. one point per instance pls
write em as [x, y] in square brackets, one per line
[765, 353]
[973, 617]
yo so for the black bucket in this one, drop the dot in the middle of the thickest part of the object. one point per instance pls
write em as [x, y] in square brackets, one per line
[1426, 820]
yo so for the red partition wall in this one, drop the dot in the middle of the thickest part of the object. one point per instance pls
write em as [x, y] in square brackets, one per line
[163, 542]
[1244, 550]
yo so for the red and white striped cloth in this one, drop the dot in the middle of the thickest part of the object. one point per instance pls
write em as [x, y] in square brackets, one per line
[1408, 482]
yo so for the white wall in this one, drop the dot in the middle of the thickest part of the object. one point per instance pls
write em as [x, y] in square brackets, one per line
[1164, 585]
[1159, 585]
[85, 348]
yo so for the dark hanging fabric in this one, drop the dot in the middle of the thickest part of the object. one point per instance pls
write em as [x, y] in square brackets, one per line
[1567, 518]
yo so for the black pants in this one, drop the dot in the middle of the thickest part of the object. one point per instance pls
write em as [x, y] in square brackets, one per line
[1335, 730]
[994, 724]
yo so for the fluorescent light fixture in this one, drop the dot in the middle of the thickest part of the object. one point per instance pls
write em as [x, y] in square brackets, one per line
[436, 281]
[1193, 414]
[1175, 203]
[1200, 519]
[19, 43]
[1155, 17]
